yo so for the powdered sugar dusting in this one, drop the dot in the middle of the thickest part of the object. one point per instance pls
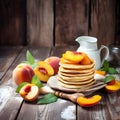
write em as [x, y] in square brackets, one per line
[5, 93]
[68, 113]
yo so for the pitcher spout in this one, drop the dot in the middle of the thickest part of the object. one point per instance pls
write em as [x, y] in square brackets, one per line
[87, 42]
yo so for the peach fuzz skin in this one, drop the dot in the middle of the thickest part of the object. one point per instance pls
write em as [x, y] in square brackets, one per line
[54, 62]
[22, 73]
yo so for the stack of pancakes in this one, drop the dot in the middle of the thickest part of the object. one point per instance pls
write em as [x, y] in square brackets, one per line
[76, 76]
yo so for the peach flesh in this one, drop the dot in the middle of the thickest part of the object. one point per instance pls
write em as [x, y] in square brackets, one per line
[44, 71]
[29, 92]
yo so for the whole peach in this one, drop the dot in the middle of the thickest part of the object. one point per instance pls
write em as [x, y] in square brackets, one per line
[54, 62]
[22, 73]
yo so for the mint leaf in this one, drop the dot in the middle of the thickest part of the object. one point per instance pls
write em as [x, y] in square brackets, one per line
[108, 79]
[106, 65]
[112, 70]
[20, 86]
[30, 58]
[48, 98]
[36, 81]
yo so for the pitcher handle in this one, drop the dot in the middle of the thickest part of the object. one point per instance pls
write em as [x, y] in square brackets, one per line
[106, 55]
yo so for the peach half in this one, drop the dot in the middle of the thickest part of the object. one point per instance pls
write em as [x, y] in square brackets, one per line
[54, 62]
[22, 73]
[113, 87]
[29, 92]
[44, 71]
[87, 102]
[73, 56]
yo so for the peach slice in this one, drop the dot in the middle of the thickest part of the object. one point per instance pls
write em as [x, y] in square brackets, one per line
[54, 62]
[63, 60]
[87, 102]
[44, 71]
[113, 87]
[73, 56]
[29, 92]
[22, 73]
[86, 60]
[100, 72]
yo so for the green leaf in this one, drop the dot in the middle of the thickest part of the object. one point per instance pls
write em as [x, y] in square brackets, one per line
[112, 70]
[108, 79]
[48, 98]
[30, 58]
[36, 81]
[106, 65]
[34, 65]
[20, 86]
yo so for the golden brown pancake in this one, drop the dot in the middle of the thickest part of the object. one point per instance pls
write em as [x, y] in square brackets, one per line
[75, 74]
[76, 78]
[76, 86]
[75, 83]
[75, 71]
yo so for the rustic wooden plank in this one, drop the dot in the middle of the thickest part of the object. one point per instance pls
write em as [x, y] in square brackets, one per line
[102, 21]
[62, 109]
[117, 40]
[107, 109]
[11, 101]
[7, 57]
[113, 104]
[12, 22]
[99, 111]
[71, 20]
[59, 50]
[59, 110]
[40, 22]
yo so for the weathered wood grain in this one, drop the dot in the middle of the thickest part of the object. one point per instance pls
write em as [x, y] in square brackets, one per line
[40, 22]
[102, 21]
[71, 21]
[105, 110]
[117, 34]
[13, 107]
[57, 22]
[7, 57]
[59, 110]
[10, 100]
[12, 26]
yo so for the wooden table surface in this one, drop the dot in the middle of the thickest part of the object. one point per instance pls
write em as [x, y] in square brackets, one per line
[13, 107]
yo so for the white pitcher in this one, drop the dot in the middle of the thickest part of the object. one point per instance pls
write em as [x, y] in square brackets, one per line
[88, 45]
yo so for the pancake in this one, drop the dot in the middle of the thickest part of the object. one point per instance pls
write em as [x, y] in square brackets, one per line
[76, 86]
[75, 74]
[75, 83]
[76, 78]
[65, 70]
